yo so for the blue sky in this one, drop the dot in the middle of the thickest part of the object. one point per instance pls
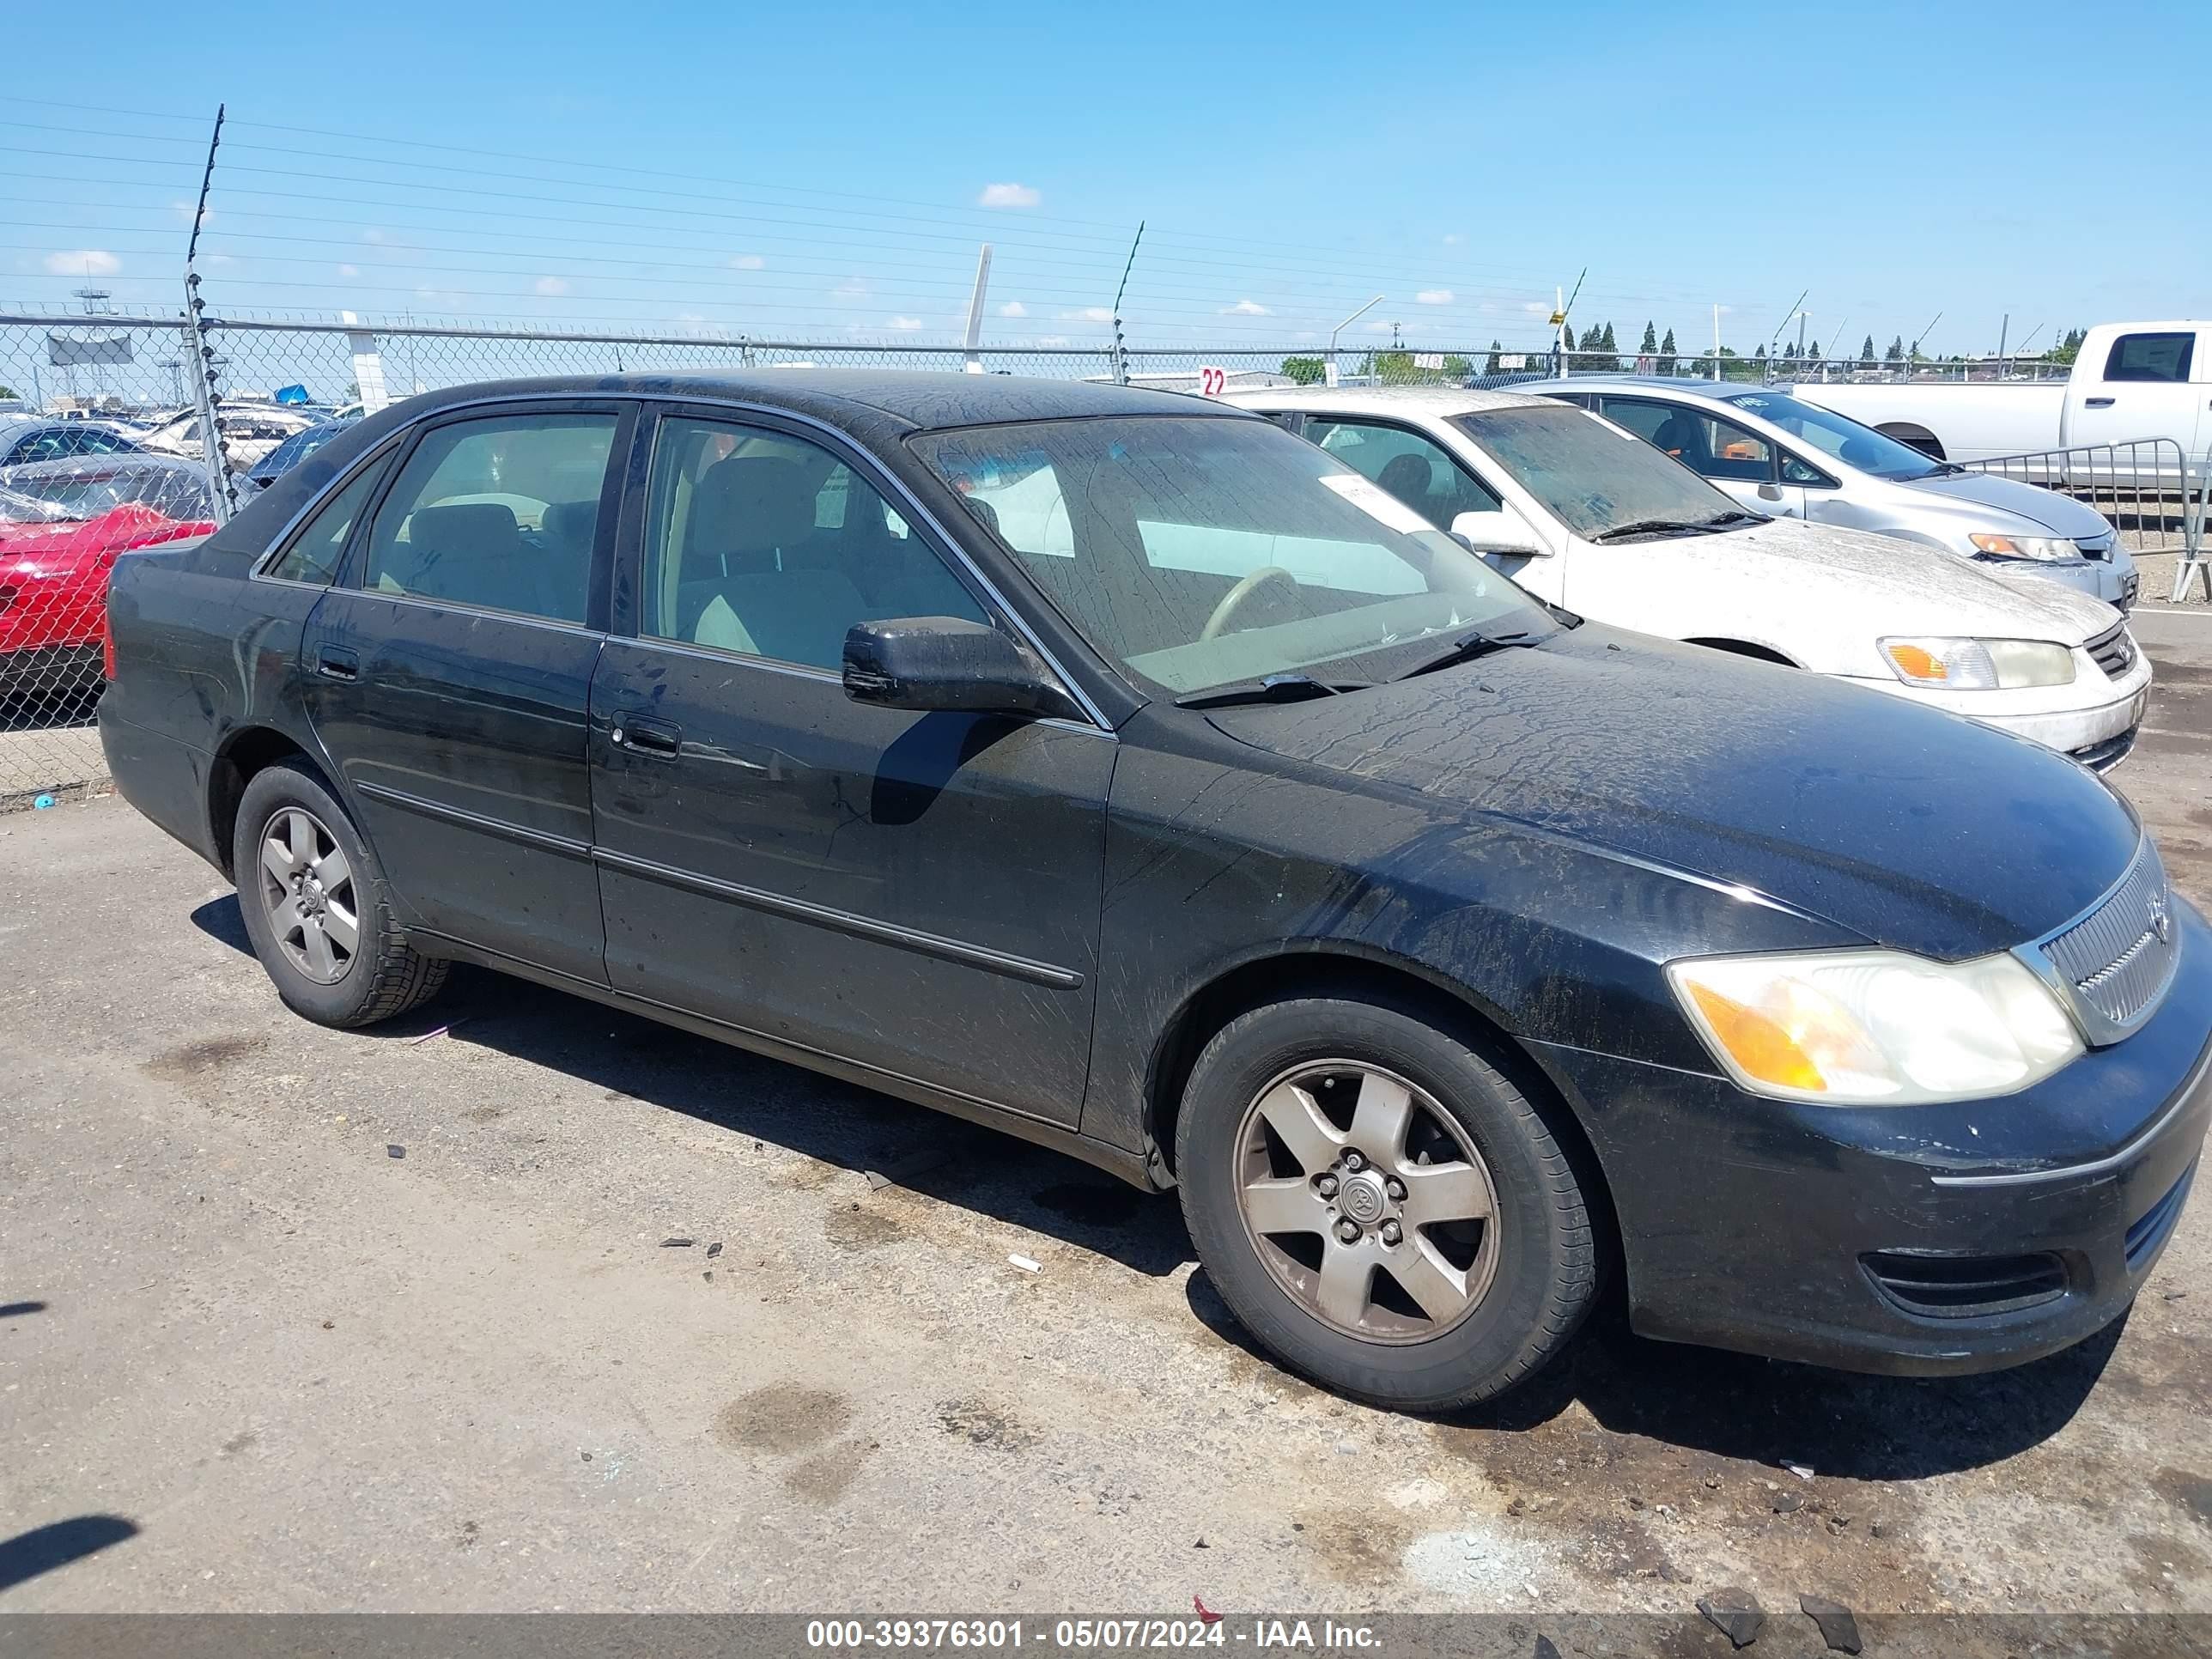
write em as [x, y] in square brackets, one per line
[827, 171]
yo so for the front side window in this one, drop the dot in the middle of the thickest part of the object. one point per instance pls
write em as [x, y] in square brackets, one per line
[1417, 471]
[2150, 357]
[1597, 479]
[499, 513]
[770, 545]
[320, 547]
[1198, 551]
[1708, 444]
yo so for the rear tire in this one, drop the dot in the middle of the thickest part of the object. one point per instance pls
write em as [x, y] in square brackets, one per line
[1470, 1260]
[317, 908]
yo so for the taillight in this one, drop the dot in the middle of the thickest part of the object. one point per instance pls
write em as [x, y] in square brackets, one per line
[7, 596]
[108, 633]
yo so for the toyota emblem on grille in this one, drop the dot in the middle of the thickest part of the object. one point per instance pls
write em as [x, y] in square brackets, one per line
[2161, 921]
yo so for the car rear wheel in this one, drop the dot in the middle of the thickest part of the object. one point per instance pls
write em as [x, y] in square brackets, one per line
[315, 906]
[1380, 1206]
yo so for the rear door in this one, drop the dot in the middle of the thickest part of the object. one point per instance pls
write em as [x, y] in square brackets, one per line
[449, 675]
[918, 893]
[2151, 384]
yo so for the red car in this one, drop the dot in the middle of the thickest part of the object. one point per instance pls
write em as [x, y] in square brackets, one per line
[54, 582]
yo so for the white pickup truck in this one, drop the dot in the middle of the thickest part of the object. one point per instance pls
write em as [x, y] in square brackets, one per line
[2131, 380]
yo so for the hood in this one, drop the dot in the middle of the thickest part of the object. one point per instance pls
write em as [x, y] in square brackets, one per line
[1905, 825]
[1899, 586]
[2060, 515]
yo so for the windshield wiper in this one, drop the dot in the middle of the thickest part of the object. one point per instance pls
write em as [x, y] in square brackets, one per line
[1276, 687]
[1467, 647]
[1674, 526]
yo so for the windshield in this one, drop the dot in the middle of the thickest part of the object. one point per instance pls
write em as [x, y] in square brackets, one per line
[1201, 552]
[1838, 437]
[1594, 476]
[17, 508]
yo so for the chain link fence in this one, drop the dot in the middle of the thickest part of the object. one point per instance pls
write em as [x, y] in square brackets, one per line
[106, 445]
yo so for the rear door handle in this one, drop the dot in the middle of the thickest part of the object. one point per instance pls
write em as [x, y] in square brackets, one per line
[335, 662]
[2100, 403]
[658, 739]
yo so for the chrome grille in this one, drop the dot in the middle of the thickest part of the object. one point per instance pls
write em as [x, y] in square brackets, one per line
[2117, 959]
[2114, 650]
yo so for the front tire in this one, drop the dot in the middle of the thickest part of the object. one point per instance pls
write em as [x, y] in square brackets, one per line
[317, 909]
[1381, 1207]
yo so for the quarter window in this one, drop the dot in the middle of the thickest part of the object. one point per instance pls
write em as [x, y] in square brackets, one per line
[499, 513]
[2150, 357]
[760, 543]
[317, 551]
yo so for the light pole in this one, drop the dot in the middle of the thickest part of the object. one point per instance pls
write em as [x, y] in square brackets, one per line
[1330, 369]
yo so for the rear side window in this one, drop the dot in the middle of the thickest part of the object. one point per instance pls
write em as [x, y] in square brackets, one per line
[499, 513]
[317, 551]
[2150, 357]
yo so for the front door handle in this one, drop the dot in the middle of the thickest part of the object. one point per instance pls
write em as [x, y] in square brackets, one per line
[657, 738]
[335, 663]
[2100, 403]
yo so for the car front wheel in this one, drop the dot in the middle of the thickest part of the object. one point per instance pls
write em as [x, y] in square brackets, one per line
[1380, 1206]
[315, 906]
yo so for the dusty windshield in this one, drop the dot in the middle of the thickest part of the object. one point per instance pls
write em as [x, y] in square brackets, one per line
[1594, 477]
[1202, 552]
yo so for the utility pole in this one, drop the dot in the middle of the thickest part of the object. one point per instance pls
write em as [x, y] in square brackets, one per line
[1329, 370]
[974, 363]
[204, 372]
[1120, 350]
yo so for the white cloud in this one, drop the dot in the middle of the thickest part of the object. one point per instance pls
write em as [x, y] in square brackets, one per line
[1050, 339]
[689, 317]
[906, 324]
[1378, 328]
[349, 271]
[185, 209]
[746, 262]
[1089, 314]
[371, 234]
[1244, 309]
[1008, 196]
[1013, 308]
[1453, 239]
[83, 262]
[1433, 296]
[551, 286]
[852, 287]
[1535, 308]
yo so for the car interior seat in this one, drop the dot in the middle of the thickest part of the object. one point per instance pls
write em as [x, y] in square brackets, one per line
[746, 581]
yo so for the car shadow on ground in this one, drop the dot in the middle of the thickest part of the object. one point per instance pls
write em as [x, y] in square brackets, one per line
[42, 1549]
[852, 1128]
[1772, 1412]
[1729, 1405]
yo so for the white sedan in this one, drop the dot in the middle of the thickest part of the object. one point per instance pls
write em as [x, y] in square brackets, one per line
[1583, 513]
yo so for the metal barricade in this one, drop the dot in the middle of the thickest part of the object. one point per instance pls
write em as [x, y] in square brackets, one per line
[2155, 495]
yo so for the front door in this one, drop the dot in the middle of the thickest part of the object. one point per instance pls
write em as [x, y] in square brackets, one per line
[2149, 386]
[450, 674]
[918, 893]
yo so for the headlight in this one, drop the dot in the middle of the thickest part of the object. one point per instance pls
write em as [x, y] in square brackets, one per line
[1978, 665]
[2023, 547]
[1876, 1028]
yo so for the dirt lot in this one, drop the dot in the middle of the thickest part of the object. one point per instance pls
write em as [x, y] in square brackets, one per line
[558, 1308]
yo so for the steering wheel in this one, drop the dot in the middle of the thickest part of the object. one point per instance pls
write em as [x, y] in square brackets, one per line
[1267, 577]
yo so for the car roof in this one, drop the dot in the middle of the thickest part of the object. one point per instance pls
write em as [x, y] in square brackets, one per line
[100, 466]
[1384, 400]
[1716, 392]
[916, 399]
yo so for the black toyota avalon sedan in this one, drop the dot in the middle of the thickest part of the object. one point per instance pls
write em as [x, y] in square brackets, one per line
[1117, 770]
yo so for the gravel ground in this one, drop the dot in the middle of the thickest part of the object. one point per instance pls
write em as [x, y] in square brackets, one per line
[525, 1305]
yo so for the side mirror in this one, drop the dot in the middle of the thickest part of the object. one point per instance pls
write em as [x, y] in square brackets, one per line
[944, 663]
[1493, 532]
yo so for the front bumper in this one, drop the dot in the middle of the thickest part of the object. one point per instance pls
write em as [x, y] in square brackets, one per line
[2094, 719]
[2114, 580]
[1915, 1241]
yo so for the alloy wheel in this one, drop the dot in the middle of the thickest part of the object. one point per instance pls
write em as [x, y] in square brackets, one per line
[1367, 1201]
[306, 889]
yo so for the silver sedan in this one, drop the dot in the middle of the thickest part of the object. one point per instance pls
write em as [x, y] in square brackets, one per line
[1788, 459]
